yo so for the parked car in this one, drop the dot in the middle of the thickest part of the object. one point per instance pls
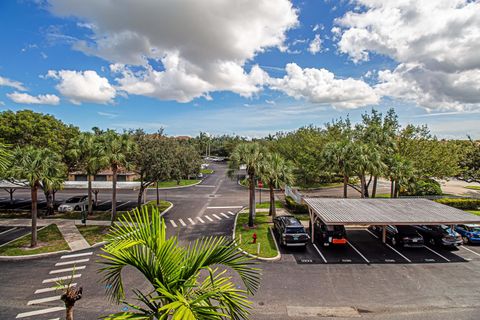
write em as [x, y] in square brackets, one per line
[440, 235]
[73, 204]
[328, 234]
[406, 236]
[470, 232]
[290, 231]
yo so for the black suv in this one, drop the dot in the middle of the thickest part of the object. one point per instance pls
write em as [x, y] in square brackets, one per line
[406, 236]
[290, 231]
[440, 235]
[328, 234]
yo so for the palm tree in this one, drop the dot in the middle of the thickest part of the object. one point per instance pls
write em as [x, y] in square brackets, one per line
[187, 281]
[367, 159]
[5, 157]
[250, 155]
[116, 149]
[338, 157]
[41, 169]
[275, 171]
[400, 171]
[88, 153]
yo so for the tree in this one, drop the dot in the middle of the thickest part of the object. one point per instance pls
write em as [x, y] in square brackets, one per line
[275, 171]
[116, 148]
[400, 171]
[139, 240]
[471, 161]
[89, 157]
[250, 155]
[338, 157]
[5, 158]
[367, 159]
[41, 169]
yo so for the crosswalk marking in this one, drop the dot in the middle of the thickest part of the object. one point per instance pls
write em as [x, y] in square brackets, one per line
[52, 288]
[183, 223]
[209, 218]
[223, 214]
[61, 278]
[215, 216]
[58, 264]
[173, 223]
[77, 255]
[191, 220]
[67, 269]
[200, 219]
[37, 312]
[231, 213]
[42, 300]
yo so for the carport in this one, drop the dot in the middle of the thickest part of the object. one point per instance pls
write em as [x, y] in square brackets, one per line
[383, 212]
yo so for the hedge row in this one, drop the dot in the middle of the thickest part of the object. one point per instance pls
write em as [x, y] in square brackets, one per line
[295, 207]
[460, 203]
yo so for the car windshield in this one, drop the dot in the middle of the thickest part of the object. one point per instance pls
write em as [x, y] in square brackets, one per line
[334, 228]
[475, 229]
[73, 200]
[295, 230]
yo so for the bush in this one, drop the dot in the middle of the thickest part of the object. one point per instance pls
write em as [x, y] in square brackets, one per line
[295, 207]
[461, 203]
[422, 188]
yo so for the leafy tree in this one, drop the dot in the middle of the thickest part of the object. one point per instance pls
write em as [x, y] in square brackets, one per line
[41, 169]
[251, 156]
[400, 171]
[179, 291]
[5, 158]
[470, 162]
[338, 157]
[367, 159]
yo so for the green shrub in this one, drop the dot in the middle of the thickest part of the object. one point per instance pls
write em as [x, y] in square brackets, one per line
[422, 188]
[295, 207]
[461, 203]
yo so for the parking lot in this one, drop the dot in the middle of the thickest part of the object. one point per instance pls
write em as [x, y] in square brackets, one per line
[363, 247]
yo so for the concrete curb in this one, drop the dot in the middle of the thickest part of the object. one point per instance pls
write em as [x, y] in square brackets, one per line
[179, 187]
[276, 258]
[33, 256]
[166, 210]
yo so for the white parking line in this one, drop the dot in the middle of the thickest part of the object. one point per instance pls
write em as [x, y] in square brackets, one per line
[173, 223]
[183, 223]
[123, 204]
[200, 219]
[215, 216]
[204, 186]
[7, 231]
[438, 254]
[43, 290]
[373, 234]
[401, 255]
[102, 203]
[77, 255]
[61, 278]
[71, 262]
[42, 300]
[209, 218]
[223, 214]
[321, 255]
[478, 254]
[191, 220]
[358, 252]
[67, 269]
[228, 207]
[37, 312]
[231, 213]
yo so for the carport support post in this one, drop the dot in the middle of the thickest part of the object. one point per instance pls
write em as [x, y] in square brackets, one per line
[384, 234]
[311, 224]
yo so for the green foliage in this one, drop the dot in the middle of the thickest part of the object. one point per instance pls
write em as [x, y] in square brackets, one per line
[470, 161]
[140, 241]
[264, 236]
[422, 188]
[294, 207]
[461, 203]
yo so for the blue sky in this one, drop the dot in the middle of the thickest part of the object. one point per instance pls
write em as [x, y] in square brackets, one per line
[251, 69]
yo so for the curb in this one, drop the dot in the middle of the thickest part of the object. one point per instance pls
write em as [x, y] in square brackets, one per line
[276, 258]
[168, 209]
[178, 187]
[34, 256]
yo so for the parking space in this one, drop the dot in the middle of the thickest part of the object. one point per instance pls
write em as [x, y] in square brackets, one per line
[8, 234]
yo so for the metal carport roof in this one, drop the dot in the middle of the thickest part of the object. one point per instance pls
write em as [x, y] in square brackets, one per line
[411, 211]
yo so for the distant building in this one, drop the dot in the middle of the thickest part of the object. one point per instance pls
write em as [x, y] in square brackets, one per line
[104, 175]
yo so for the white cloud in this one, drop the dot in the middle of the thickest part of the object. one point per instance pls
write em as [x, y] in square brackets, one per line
[436, 44]
[315, 45]
[320, 86]
[107, 114]
[83, 86]
[11, 83]
[26, 98]
[201, 50]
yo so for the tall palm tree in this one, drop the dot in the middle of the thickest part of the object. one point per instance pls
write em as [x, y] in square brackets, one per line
[250, 155]
[400, 171]
[338, 157]
[5, 157]
[367, 159]
[139, 240]
[116, 149]
[275, 171]
[90, 158]
[41, 169]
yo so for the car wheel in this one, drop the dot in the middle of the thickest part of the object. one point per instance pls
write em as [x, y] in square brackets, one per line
[465, 240]
[77, 208]
[432, 241]
[394, 241]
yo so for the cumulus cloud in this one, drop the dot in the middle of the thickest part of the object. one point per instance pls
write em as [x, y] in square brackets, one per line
[26, 98]
[315, 45]
[83, 86]
[11, 83]
[200, 50]
[320, 86]
[438, 58]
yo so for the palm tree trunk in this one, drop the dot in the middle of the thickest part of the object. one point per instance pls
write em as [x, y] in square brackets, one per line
[49, 199]
[90, 200]
[362, 185]
[251, 211]
[33, 191]
[140, 195]
[158, 195]
[397, 189]
[272, 212]
[69, 311]
[114, 193]
[392, 187]
[345, 186]
[374, 188]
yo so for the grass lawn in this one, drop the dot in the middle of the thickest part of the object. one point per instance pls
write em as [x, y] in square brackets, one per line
[173, 183]
[473, 187]
[383, 195]
[475, 212]
[49, 240]
[206, 171]
[266, 205]
[262, 221]
[93, 234]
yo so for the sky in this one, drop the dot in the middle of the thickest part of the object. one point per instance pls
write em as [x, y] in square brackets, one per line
[249, 67]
